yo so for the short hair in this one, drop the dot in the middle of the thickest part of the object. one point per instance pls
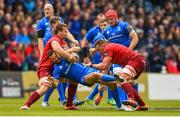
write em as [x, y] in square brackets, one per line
[101, 18]
[48, 4]
[54, 20]
[58, 27]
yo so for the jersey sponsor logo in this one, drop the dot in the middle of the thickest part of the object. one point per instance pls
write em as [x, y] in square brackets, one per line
[60, 67]
[116, 36]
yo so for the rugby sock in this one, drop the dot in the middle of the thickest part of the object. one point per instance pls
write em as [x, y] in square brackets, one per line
[71, 92]
[94, 92]
[60, 89]
[109, 93]
[107, 78]
[115, 95]
[138, 98]
[135, 86]
[122, 94]
[48, 94]
[33, 98]
[128, 89]
[101, 93]
[65, 85]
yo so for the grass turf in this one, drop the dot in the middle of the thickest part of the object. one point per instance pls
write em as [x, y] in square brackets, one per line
[10, 107]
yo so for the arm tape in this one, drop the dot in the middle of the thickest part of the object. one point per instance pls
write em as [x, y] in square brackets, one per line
[40, 33]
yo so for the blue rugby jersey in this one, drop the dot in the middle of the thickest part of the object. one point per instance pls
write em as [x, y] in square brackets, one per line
[75, 71]
[90, 35]
[44, 24]
[118, 34]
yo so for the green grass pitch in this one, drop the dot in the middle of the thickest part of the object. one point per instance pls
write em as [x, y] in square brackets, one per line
[10, 107]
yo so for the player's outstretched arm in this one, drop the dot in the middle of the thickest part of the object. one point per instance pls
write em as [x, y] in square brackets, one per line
[60, 51]
[103, 65]
[74, 49]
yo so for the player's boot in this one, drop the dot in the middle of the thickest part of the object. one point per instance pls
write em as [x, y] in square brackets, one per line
[98, 99]
[130, 103]
[111, 102]
[64, 102]
[25, 107]
[90, 102]
[78, 103]
[126, 108]
[45, 104]
[142, 108]
[71, 108]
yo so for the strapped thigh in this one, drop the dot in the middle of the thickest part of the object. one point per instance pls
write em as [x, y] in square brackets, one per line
[129, 70]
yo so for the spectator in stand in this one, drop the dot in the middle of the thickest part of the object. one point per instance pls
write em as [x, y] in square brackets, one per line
[5, 34]
[4, 59]
[16, 61]
[23, 37]
[75, 25]
[32, 60]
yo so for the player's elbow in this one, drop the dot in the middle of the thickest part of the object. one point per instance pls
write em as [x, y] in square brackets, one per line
[104, 66]
[78, 49]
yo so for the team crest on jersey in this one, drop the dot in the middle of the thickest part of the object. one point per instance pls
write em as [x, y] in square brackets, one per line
[119, 29]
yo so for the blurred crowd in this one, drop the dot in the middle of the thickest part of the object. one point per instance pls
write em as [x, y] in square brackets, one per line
[157, 23]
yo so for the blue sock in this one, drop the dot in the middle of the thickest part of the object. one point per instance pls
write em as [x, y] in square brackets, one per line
[107, 78]
[65, 85]
[109, 93]
[48, 94]
[122, 94]
[135, 86]
[115, 95]
[75, 97]
[94, 92]
[60, 89]
[101, 93]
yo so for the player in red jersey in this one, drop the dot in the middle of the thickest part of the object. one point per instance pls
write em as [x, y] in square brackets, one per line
[44, 69]
[133, 64]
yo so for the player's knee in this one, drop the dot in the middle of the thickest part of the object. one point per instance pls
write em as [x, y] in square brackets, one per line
[112, 85]
[45, 82]
[96, 76]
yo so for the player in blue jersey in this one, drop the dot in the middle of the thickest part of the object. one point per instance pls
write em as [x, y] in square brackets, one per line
[85, 75]
[43, 26]
[44, 34]
[96, 58]
[121, 33]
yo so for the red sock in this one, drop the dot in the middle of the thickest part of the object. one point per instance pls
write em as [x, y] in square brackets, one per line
[128, 89]
[71, 92]
[138, 98]
[33, 98]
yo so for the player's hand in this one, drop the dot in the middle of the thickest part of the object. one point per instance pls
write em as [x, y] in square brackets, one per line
[88, 64]
[101, 87]
[73, 59]
[87, 60]
[76, 42]
[92, 51]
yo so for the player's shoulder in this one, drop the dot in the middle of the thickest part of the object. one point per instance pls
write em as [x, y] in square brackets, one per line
[93, 29]
[123, 23]
[107, 28]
